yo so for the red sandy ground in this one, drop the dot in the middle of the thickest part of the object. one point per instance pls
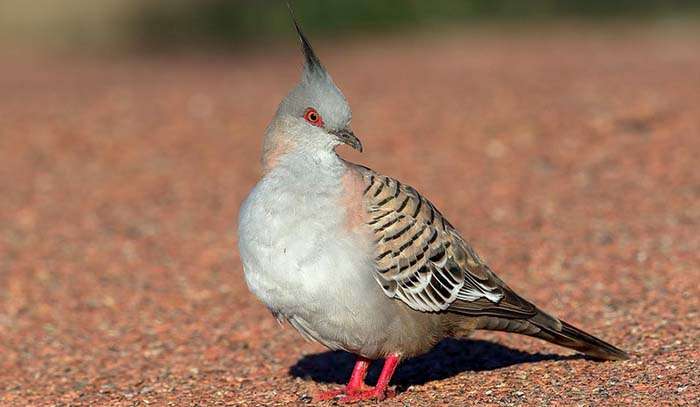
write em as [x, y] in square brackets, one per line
[569, 160]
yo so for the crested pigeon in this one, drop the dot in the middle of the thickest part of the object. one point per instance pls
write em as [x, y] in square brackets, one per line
[361, 262]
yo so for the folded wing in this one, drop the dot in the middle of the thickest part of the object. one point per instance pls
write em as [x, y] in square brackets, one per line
[421, 259]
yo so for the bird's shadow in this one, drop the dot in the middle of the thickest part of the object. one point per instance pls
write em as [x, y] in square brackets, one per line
[449, 358]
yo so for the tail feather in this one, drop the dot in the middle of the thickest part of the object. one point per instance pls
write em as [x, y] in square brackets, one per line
[553, 330]
[571, 337]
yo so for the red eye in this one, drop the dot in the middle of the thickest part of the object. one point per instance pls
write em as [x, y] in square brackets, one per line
[312, 116]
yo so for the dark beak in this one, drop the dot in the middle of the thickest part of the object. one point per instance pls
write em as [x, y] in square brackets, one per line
[348, 137]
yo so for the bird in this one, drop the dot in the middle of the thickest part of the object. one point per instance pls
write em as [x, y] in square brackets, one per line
[361, 262]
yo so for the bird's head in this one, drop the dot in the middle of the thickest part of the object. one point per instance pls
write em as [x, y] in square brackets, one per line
[314, 115]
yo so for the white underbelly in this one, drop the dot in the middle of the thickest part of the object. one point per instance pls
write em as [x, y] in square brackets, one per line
[309, 269]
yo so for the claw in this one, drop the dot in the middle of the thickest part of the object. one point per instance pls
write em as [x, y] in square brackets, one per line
[345, 396]
[370, 394]
[331, 394]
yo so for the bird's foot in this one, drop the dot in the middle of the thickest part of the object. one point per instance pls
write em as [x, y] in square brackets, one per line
[348, 396]
[369, 394]
[356, 390]
[331, 394]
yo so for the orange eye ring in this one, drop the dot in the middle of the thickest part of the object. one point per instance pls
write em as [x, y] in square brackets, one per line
[313, 117]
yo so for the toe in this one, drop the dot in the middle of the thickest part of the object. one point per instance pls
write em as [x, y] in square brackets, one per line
[330, 394]
[368, 394]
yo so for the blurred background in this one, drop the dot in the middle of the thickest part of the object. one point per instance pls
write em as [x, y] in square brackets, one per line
[230, 24]
[560, 137]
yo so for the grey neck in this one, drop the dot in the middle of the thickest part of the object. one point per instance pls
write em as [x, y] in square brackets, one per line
[311, 167]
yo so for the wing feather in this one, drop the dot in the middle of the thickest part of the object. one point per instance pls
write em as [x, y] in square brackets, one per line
[424, 262]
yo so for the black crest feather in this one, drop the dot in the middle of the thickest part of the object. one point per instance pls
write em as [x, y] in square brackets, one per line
[313, 64]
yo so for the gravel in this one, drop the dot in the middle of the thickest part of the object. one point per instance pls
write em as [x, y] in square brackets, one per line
[569, 159]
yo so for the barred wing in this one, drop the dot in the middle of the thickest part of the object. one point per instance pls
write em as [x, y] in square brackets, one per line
[421, 259]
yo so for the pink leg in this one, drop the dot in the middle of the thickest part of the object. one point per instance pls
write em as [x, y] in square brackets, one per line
[357, 379]
[380, 391]
[356, 383]
[387, 372]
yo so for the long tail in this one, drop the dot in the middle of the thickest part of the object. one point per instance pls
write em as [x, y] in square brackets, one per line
[553, 330]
